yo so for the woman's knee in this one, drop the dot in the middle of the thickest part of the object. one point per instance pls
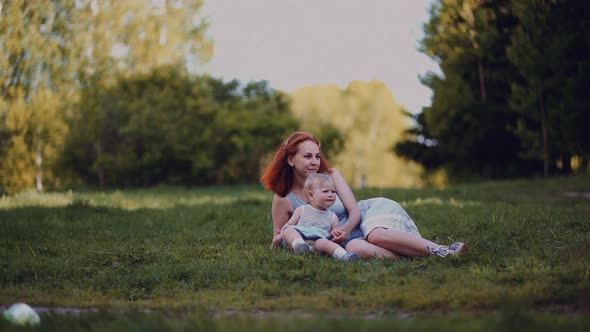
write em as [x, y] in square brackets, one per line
[355, 246]
[365, 249]
[380, 237]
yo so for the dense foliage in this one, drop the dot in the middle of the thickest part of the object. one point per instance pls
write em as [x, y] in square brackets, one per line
[169, 127]
[510, 100]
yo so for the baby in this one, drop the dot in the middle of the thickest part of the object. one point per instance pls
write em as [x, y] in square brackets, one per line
[314, 221]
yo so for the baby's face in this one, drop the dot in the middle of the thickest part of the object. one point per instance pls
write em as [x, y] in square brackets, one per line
[324, 196]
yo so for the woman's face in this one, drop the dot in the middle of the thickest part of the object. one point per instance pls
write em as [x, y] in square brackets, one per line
[306, 160]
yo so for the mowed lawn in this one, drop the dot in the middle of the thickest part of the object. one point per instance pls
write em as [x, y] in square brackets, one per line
[207, 250]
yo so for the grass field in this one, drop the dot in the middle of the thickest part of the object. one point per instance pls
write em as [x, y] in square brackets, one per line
[204, 252]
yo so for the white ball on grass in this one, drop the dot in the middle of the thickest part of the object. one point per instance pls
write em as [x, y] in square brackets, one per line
[22, 314]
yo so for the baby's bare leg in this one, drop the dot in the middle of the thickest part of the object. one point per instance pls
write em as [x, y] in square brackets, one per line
[326, 246]
[290, 235]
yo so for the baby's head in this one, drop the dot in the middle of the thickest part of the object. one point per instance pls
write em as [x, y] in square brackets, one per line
[316, 183]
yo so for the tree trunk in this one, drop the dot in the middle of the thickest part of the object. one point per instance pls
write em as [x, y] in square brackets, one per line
[101, 178]
[566, 163]
[39, 162]
[584, 162]
[100, 171]
[545, 138]
[482, 82]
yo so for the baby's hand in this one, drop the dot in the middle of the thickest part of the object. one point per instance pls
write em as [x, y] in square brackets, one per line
[338, 234]
[276, 240]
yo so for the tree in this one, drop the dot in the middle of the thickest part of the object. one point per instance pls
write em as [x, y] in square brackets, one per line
[51, 49]
[370, 120]
[136, 36]
[34, 85]
[316, 107]
[466, 129]
[247, 128]
[168, 126]
[532, 117]
[549, 51]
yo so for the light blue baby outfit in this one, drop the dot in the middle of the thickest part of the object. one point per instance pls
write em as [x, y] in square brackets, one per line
[313, 223]
[376, 212]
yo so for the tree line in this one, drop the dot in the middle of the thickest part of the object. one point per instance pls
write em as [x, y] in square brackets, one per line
[511, 97]
[105, 92]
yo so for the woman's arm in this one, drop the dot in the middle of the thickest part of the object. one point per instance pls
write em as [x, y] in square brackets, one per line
[347, 197]
[281, 211]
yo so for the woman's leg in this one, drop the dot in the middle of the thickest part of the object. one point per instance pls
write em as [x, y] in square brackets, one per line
[401, 243]
[365, 249]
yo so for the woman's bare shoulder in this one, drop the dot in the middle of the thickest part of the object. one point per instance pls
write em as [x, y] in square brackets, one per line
[343, 189]
[336, 175]
[281, 202]
[335, 171]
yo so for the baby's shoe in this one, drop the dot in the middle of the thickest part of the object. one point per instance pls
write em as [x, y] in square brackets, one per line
[350, 257]
[301, 248]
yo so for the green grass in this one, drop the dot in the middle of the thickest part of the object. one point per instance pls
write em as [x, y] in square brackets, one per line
[207, 250]
[135, 321]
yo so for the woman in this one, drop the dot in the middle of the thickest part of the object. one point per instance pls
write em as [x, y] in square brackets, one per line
[376, 227]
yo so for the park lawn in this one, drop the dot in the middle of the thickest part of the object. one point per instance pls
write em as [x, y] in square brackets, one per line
[207, 250]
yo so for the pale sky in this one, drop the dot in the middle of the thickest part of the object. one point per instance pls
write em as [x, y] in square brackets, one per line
[292, 43]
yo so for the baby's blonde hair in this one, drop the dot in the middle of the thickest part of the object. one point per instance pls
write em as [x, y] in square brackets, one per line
[314, 181]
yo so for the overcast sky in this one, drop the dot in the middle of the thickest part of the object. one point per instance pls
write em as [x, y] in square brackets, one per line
[291, 43]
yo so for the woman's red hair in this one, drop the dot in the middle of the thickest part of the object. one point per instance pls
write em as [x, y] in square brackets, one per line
[278, 175]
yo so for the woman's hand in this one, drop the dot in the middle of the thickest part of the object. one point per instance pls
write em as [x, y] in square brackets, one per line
[339, 234]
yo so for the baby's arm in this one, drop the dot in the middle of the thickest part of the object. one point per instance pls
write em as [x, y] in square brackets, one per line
[295, 217]
[334, 222]
[292, 221]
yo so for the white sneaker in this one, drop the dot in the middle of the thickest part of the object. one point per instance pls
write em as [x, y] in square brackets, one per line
[455, 249]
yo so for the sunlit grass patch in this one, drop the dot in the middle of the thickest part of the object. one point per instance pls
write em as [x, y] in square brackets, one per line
[160, 198]
[437, 201]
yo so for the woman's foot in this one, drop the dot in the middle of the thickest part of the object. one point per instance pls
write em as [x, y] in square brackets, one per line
[455, 249]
